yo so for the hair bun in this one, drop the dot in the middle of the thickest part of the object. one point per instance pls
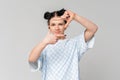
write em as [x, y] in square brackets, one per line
[61, 12]
[47, 15]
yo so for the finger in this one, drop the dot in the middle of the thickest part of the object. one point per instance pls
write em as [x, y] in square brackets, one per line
[56, 39]
[63, 17]
[60, 35]
[49, 32]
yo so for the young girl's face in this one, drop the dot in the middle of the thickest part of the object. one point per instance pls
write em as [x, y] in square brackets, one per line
[56, 25]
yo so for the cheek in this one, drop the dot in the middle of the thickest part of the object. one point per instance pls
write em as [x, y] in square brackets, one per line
[62, 28]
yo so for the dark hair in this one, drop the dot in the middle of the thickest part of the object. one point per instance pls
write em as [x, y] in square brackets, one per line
[49, 15]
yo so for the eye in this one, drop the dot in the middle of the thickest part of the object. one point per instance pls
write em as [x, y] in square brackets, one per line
[52, 24]
[61, 24]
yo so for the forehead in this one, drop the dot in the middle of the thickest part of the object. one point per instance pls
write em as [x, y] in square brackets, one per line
[56, 19]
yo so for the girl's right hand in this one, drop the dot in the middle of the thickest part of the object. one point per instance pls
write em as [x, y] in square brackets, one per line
[52, 38]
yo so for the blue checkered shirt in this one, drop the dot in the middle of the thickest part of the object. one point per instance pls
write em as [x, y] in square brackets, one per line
[60, 61]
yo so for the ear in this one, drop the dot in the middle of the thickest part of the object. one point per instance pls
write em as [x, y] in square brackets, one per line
[48, 27]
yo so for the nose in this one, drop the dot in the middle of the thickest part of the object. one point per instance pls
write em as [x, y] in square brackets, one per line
[56, 27]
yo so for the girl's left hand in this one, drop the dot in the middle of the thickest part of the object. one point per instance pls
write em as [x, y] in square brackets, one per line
[68, 16]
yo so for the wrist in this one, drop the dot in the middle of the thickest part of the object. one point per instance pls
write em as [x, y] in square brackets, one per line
[74, 16]
[44, 43]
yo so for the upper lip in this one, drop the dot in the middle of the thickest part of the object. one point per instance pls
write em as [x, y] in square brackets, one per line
[57, 31]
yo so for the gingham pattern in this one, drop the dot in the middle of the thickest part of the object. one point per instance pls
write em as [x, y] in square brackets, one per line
[60, 61]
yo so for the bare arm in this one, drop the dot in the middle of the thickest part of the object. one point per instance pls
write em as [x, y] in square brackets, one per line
[36, 51]
[91, 28]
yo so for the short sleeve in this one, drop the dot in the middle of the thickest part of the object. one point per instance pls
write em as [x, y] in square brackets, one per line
[83, 46]
[37, 66]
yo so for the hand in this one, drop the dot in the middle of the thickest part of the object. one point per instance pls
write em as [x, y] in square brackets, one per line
[52, 38]
[68, 16]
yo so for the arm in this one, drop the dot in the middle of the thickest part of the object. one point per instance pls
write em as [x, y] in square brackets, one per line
[36, 51]
[91, 28]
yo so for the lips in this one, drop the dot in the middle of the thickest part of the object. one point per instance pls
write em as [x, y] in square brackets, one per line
[57, 31]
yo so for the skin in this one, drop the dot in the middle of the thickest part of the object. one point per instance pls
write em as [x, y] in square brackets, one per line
[56, 32]
[57, 25]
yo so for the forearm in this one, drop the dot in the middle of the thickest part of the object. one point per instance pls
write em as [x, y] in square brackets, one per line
[89, 25]
[36, 51]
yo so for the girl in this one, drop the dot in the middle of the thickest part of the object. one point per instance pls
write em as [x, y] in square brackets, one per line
[56, 56]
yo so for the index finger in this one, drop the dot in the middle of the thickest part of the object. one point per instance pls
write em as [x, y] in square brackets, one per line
[60, 35]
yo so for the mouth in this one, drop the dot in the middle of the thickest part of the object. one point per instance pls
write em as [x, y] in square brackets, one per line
[57, 32]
